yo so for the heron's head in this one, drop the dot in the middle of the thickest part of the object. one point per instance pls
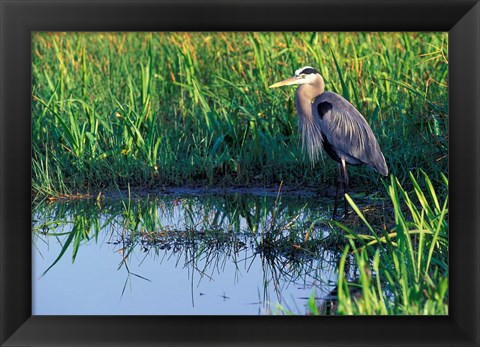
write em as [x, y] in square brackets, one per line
[304, 75]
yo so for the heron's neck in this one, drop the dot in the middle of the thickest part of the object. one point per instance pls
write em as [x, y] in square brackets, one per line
[306, 94]
[312, 90]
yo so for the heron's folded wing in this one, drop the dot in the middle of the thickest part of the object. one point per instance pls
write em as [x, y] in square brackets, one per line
[347, 131]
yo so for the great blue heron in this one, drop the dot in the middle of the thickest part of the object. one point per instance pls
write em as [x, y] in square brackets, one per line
[327, 120]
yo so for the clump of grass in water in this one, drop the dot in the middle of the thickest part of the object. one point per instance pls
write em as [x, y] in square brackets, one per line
[409, 262]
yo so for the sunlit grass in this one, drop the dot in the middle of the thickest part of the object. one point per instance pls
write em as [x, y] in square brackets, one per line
[145, 110]
[402, 270]
[152, 109]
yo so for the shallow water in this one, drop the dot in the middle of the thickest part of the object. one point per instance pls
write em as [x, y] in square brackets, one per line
[227, 253]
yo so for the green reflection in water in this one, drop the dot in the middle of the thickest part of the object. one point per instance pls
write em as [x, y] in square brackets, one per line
[289, 235]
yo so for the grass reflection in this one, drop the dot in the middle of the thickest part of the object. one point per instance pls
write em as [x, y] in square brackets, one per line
[202, 234]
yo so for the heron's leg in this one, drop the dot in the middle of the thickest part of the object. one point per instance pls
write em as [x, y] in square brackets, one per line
[345, 185]
[339, 181]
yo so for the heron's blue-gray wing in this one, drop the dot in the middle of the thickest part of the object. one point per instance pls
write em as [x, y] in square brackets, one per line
[348, 134]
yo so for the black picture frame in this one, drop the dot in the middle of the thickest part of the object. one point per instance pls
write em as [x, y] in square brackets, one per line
[19, 18]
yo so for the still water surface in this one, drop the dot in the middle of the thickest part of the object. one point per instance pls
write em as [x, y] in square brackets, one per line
[181, 254]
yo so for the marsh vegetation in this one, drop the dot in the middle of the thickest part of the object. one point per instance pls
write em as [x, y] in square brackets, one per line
[114, 113]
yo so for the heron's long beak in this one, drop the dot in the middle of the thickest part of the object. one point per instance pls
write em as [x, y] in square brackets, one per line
[287, 82]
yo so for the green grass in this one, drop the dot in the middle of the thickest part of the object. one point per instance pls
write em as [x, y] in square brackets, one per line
[145, 110]
[409, 261]
[153, 109]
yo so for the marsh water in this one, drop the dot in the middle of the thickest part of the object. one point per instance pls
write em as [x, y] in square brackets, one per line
[182, 252]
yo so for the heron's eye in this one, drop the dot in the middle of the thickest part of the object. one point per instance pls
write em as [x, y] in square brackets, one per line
[303, 75]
